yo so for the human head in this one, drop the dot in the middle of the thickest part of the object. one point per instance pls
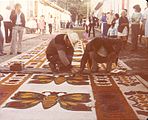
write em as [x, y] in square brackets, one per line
[111, 12]
[123, 13]
[18, 7]
[8, 8]
[137, 8]
[116, 16]
[125, 10]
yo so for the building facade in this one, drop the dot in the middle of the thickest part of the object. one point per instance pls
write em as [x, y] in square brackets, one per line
[37, 8]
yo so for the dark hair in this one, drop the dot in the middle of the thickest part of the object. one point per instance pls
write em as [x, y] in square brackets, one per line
[137, 8]
[117, 15]
[125, 10]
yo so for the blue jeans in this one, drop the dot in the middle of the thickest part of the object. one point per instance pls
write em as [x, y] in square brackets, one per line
[1, 41]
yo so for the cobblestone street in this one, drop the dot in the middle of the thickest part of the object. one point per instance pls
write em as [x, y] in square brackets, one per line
[36, 80]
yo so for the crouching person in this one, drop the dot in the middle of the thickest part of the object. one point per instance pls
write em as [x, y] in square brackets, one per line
[100, 50]
[59, 53]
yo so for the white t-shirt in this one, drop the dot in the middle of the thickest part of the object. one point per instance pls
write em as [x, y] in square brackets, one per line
[145, 16]
[18, 19]
[6, 15]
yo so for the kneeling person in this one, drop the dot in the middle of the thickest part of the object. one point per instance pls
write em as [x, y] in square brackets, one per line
[100, 50]
[60, 53]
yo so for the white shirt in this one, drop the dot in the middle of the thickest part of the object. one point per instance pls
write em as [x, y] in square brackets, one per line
[51, 20]
[145, 14]
[18, 19]
[6, 15]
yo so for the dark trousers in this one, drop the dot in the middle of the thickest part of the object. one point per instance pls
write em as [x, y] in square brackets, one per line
[8, 29]
[91, 27]
[1, 41]
[50, 28]
[135, 32]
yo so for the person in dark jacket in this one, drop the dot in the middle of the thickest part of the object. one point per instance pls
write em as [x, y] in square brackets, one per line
[123, 28]
[92, 23]
[18, 22]
[100, 50]
[59, 53]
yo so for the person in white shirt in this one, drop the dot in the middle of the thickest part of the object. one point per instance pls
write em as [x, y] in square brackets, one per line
[145, 17]
[18, 23]
[135, 26]
[1, 39]
[7, 24]
[109, 18]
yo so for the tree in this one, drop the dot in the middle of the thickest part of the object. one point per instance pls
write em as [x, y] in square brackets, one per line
[78, 8]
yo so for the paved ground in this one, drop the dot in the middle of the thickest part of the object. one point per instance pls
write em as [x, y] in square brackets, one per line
[136, 60]
[29, 41]
[81, 97]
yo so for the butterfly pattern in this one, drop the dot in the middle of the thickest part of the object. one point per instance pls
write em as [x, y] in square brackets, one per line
[73, 102]
[73, 80]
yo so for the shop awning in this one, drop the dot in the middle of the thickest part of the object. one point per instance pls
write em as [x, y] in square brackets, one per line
[99, 5]
[51, 4]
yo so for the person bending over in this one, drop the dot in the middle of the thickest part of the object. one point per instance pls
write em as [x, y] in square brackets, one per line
[100, 50]
[59, 53]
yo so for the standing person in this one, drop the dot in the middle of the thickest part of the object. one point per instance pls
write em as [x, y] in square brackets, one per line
[123, 28]
[50, 24]
[145, 16]
[103, 25]
[135, 26]
[31, 25]
[7, 25]
[109, 18]
[113, 30]
[92, 24]
[100, 50]
[41, 24]
[1, 39]
[18, 22]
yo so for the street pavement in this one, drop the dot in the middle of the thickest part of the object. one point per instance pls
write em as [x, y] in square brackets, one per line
[44, 96]
[29, 41]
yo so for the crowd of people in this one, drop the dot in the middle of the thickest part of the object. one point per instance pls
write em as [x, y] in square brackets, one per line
[15, 24]
[119, 25]
[115, 30]
[60, 50]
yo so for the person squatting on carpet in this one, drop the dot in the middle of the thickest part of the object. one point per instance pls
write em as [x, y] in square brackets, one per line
[101, 50]
[60, 53]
